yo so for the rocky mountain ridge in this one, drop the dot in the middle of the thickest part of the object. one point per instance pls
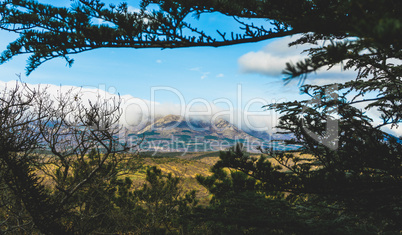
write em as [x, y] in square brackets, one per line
[173, 133]
[177, 125]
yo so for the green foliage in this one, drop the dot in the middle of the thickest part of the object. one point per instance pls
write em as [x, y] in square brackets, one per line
[184, 138]
[77, 186]
[150, 133]
[159, 154]
[252, 196]
[163, 205]
[362, 175]
[26, 193]
[240, 205]
[211, 137]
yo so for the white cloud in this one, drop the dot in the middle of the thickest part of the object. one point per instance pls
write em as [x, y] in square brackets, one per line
[205, 75]
[221, 75]
[198, 69]
[272, 59]
[137, 112]
[159, 61]
[334, 75]
[132, 9]
[396, 131]
[263, 62]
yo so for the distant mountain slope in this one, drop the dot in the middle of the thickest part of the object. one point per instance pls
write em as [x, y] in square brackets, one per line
[179, 126]
[174, 133]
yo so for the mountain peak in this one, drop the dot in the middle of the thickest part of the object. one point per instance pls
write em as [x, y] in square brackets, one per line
[169, 118]
[221, 123]
[177, 125]
[185, 134]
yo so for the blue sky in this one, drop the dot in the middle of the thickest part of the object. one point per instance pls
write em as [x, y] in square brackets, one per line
[208, 73]
[195, 73]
